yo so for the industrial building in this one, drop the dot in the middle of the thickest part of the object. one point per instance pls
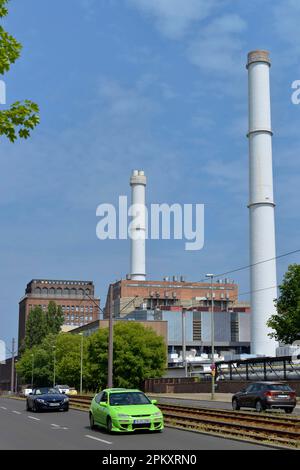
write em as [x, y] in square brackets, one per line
[76, 298]
[232, 329]
[126, 295]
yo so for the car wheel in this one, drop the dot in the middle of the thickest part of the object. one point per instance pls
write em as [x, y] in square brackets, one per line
[92, 422]
[27, 406]
[289, 410]
[66, 409]
[109, 425]
[235, 405]
[259, 406]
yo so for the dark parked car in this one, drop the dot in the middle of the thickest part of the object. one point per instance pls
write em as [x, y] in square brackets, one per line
[265, 395]
[45, 398]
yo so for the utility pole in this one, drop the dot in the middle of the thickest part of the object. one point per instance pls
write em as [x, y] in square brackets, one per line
[32, 369]
[12, 380]
[110, 349]
[81, 362]
[184, 341]
[54, 365]
[213, 367]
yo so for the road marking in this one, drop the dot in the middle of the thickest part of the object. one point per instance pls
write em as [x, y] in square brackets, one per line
[97, 439]
[17, 412]
[32, 417]
[58, 426]
[3, 408]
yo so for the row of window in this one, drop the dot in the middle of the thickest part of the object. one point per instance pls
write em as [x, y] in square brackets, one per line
[77, 283]
[77, 317]
[61, 292]
[70, 308]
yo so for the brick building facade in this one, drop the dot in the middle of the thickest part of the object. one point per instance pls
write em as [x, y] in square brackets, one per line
[77, 299]
[124, 296]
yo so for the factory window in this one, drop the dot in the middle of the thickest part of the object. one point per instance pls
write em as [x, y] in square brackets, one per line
[235, 333]
[72, 317]
[77, 308]
[73, 292]
[91, 318]
[91, 309]
[52, 291]
[86, 318]
[87, 291]
[80, 292]
[37, 291]
[45, 291]
[66, 292]
[86, 309]
[58, 291]
[197, 333]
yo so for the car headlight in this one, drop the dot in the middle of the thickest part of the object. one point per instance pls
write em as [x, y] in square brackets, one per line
[158, 414]
[40, 400]
[66, 399]
[122, 416]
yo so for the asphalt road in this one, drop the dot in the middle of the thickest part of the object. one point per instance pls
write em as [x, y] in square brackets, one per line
[212, 404]
[21, 430]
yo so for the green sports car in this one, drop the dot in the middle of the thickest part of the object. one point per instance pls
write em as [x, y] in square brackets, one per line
[123, 410]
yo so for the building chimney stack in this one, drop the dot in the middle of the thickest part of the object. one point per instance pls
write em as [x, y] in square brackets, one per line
[261, 204]
[138, 184]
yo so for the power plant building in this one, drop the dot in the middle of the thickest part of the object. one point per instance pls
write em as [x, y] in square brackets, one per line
[76, 298]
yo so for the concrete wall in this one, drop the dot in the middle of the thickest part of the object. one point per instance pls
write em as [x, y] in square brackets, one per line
[187, 385]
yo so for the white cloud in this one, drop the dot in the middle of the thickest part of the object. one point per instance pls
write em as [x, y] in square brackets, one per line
[217, 48]
[173, 17]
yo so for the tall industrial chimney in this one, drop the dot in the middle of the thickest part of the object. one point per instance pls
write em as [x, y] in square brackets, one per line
[138, 184]
[261, 204]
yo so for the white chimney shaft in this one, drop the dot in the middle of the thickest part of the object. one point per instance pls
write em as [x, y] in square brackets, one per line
[138, 184]
[263, 277]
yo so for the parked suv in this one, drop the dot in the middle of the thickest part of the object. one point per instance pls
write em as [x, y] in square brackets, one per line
[265, 395]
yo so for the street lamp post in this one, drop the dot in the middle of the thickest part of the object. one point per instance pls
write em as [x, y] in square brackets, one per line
[81, 362]
[54, 365]
[32, 368]
[184, 341]
[213, 367]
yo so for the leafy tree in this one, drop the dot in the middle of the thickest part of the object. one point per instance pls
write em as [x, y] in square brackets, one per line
[40, 358]
[39, 324]
[67, 361]
[286, 322]
[54, 318]
[139, 353]
[36, 327]
[21, 117]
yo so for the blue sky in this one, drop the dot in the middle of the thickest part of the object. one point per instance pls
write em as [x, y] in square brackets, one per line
[159, 85]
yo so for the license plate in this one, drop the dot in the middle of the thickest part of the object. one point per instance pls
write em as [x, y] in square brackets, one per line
[282, 396]
[54, 404]
[141, 421]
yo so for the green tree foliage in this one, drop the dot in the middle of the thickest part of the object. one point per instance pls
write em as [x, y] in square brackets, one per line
[36, 327]
[39, 324]
[139, 353]
[40, 358]
[67, 353]
[54, 318]
[286, 322]
[21, 117]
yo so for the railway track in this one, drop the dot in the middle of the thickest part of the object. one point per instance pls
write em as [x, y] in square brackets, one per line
[264, 428]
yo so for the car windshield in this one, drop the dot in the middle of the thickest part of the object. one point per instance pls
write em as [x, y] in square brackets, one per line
[45, 391]
[128, 398]
[280, 387]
